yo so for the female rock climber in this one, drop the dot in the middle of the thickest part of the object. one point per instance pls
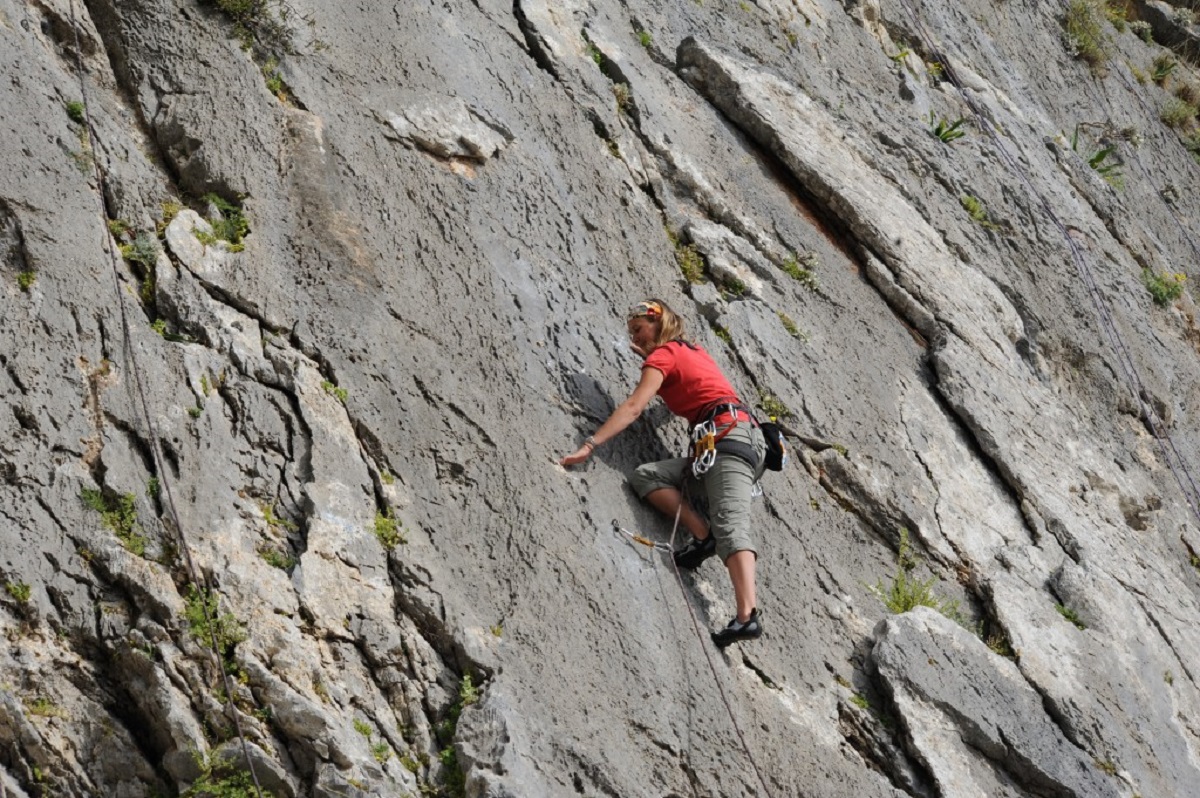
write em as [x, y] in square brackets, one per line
[693, 387]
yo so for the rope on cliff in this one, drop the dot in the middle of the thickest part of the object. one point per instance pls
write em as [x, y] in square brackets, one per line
[1170, 453]
[669, 548]
[152, 435]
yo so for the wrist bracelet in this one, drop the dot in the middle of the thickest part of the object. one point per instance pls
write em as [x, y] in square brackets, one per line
[590, 441]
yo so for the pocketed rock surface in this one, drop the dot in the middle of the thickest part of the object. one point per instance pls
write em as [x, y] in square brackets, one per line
[279, 501]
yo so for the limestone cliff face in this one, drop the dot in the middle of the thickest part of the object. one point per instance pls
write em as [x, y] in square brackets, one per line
[301, 305]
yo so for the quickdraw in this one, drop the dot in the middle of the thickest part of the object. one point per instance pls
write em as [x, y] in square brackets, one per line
[645, 541]
[704, 448]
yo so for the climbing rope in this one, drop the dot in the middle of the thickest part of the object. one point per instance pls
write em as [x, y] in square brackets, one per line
[669, 548]
[1170, 453]
[152, 435]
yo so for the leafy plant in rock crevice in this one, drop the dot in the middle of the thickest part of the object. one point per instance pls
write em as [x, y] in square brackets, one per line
[1084, 33]
[1164, 288]
[906, 592]
[944, 130]
[207, 624]
[802, 269]
[119, 514]
[26, 279]
[453, 778]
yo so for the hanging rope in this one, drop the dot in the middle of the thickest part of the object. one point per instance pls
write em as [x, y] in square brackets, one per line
[669, 548]
[143, 405]
[1170, 453]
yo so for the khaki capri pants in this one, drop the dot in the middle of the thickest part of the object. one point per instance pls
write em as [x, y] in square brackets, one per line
[726, 486]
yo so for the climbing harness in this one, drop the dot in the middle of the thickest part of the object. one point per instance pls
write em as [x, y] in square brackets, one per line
[152, 436]
[1134, 383]
[669, 548]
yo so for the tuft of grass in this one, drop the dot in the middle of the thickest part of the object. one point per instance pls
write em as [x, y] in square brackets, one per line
[220, 780]
[276, 559]
[801, 268]
[1110, 172]
[723, 334]
[275, 522]
[1115, 13]
[644, 38]
[363, 728]
[381, 751]
[75, 111]
[1107, 766]
[734, 287]
[273, 79]
[790, 325]
[26, 279]
[497, 630]
[1163, 65]
[691, 263]
[1164, 288]
[119, 514]
[772, 405]
[1169, 678]
[974, 208]
[1084, 34]
[44, 708]
[1177, 113]
[859, 700]
[143, 250]
[19, 591]
[906, 592]
[387, 478]
[623, 96]
[1189, 92]
[231, 224]
[388, 529]
[333, 390]
[944, 130]
[1071, 615]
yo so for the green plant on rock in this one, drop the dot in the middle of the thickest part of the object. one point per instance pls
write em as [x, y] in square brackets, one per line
[1106, 766]
[19, 591]
[75, 111]
[44, 708]
[381, 751]
[143, 250]
[1109, 171]
[1177, 113]
[387, 529]
[230, 226]
[801, 268]
[207, 624]
[220, 780]
[1143, 30]
[333, 390]
[273, 79]
[645, 38]
[1116, 14]
[119, 514]
[276, 559]
[859, 700]
[772, 405]
[1071, 615]
[26, 279]
[1084, 33]
[944, 130]
[1163, 65]
[906, 592]
[623, 96]
[722, 334]
[974, 208]
[275, 522]
[1164, 288]
[363, 728]
[790, 325]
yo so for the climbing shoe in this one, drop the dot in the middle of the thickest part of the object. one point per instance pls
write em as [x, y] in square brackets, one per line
[736, 630]
[696, 552]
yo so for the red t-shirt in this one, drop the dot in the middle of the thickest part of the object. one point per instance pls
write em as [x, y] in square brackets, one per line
[692, 382]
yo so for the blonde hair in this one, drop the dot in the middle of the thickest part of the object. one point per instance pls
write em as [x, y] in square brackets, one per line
[670, 325]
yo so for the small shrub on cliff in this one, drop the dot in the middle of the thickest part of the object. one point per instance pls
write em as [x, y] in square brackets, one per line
[19, 591]
[801, 268]
[1177, 113]
[387, 529]
[906, 592]
[220, 780]
[206, 622]
[1164, 288]
[119, 514]
[1071, 615]
[1084, 33]
[75, 111]
[26, 279]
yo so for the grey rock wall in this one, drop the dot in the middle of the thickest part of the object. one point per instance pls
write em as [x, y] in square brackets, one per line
[281, 504]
